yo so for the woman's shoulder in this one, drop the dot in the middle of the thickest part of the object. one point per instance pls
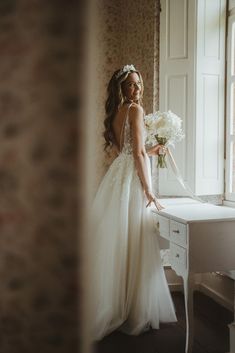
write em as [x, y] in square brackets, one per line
[136, 107]
[135, 110]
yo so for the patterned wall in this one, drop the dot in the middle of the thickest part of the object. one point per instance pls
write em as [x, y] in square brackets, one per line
[125, 32]
[38, 176]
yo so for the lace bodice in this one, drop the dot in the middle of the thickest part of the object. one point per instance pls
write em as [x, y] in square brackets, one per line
[127, 146]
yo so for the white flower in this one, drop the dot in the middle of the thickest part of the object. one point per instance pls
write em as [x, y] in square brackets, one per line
[159, 122]
[165, 125]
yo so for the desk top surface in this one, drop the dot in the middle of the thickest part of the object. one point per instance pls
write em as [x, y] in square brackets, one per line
[187, 210]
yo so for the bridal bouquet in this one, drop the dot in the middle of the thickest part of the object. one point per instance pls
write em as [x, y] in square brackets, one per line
[165, 128]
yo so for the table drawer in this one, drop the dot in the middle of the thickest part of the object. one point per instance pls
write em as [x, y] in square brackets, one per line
[156, 220]
[163, 226]
[178, 233]
[178, 255]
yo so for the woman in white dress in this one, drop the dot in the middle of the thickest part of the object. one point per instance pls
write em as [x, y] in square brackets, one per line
[128, 286]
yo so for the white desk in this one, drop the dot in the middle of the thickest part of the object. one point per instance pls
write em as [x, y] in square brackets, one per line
[202, 239]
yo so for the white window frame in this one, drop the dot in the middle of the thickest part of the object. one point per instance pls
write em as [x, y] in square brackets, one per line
[230, 137]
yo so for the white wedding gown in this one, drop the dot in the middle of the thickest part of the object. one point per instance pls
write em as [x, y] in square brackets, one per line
[128, 285]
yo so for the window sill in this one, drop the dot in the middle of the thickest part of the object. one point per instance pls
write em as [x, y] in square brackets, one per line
[229, 203]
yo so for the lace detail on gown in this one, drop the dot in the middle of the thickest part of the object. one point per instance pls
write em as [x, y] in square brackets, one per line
[128, 288]
[127, 137]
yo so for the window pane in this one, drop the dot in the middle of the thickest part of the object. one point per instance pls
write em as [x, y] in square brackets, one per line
[232, 167]
[233, 50]
[232, 109]
[230, 118]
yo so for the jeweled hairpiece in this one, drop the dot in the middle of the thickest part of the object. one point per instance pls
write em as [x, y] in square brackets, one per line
[126, 68]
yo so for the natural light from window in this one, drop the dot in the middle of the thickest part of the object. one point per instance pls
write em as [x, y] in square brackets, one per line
[230, 121]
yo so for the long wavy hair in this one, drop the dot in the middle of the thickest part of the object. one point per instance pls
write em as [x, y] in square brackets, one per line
[114, 101]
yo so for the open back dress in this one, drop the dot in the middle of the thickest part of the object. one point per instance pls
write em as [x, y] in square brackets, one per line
[128, 287]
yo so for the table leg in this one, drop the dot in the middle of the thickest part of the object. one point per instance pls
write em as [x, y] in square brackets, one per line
[188, 299]
[232, 337]
[232, 327]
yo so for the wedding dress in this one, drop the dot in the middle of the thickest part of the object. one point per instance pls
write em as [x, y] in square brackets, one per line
[128, 285]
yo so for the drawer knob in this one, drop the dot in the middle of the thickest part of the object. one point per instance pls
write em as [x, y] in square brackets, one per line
[177, 255]
[176, 231]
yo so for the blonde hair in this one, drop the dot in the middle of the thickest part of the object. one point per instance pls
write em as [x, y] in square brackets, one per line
[114, 101]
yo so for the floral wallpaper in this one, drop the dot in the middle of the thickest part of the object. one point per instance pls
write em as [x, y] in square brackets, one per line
[124, 33]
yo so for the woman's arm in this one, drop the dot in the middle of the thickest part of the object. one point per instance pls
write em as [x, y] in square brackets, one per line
[152, 151]
[156, 150]
[139, 152]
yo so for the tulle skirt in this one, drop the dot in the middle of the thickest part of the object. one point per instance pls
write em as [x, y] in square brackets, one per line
[128, 288]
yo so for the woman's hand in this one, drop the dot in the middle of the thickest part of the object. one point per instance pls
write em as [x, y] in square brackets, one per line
[152, 198]
[157, 149]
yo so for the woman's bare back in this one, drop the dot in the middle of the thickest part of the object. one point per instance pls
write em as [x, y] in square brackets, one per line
[118, 126]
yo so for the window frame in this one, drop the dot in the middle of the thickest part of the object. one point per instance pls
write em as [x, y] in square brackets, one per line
[230, 137]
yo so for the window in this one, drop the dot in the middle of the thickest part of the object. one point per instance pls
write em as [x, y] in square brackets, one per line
[230, 120]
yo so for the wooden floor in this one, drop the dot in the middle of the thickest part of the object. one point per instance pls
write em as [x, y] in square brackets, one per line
[211, 332]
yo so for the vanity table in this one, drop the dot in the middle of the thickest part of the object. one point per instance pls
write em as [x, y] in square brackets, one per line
[201, 239]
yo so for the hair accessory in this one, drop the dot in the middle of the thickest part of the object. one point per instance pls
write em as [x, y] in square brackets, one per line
[126, 68]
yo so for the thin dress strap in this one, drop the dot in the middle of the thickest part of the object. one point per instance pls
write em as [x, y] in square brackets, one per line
[123, 127]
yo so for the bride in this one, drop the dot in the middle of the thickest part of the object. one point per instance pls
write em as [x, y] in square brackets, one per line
[128, 287]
